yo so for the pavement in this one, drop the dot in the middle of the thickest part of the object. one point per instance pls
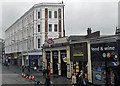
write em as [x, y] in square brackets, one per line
[10, 77]
[55, 79]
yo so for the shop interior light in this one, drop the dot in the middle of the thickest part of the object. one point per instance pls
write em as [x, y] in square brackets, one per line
[114, 63]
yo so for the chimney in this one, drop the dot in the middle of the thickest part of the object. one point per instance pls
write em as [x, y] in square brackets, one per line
[88, 31]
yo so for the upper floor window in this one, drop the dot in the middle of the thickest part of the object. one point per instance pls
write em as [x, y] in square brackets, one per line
[38, 43]
[55, 14]
[38, 28]
[55, 27]
[50, 14]
[50, 27]
[38, 15]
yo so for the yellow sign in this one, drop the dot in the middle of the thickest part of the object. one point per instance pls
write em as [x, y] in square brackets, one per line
[79, 54]
[15, 56]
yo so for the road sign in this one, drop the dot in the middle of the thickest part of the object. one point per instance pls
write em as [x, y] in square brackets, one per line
[50, 41]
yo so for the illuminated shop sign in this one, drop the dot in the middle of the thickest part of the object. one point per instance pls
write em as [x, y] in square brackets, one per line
[78, 54]
[100, 51]
[78, 51]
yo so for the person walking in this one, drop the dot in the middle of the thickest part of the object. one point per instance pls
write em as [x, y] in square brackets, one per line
[73, 79]
[43, 73]
[77, 76]
[47, 82]
[38, 83]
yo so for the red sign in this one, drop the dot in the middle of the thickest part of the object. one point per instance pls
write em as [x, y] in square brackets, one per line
[108, 55]
[50, 41]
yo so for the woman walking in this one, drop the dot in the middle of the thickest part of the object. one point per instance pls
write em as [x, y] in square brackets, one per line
[74, 79]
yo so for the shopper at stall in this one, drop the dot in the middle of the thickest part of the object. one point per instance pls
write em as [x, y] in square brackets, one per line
[74, 79]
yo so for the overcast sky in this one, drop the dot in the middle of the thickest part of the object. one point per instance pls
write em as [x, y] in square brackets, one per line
[100, 15]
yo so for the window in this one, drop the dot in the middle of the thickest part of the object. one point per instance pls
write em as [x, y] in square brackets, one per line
[38, 15]
[55, 14]
[55, 27]
[38, 28]
[50, 14]
[38, 43]
[50, 27]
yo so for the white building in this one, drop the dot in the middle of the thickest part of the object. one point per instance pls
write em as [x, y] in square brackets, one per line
[27, 35]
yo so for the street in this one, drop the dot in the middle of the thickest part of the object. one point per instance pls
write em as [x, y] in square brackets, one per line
[12, 75]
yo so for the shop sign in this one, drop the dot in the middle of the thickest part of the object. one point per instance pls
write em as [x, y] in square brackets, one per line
[65, 59]
[98, 77]
[78, 54]
[108, 55]
[102, 50]
[50, 41]
[104, 55]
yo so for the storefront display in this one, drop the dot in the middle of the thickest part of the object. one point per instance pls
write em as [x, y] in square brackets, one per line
[104, 62]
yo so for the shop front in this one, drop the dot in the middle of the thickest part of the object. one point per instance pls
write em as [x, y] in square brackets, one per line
[105, 61]
[55, 62]
[78, 57]
[34, 60]
[63, 58]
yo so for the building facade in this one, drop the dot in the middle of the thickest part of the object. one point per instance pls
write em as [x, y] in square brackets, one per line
[2, 50]
[105, 61]
[24, 38]
[69, 54]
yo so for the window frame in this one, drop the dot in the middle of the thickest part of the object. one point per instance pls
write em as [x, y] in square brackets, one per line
[38, 42]
[39, 28]
[50, 14]
[55, 29]
[50, 30]
[55, 14]
[38, 15]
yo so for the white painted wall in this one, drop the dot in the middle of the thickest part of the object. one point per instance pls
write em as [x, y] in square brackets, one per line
[15, 32]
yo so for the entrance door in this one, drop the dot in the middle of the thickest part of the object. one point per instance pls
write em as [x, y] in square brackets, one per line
[63, 63]
[55, 66]
[63, 68]
[55, 62]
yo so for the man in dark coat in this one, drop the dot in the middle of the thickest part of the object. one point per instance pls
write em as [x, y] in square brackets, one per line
[47, 80]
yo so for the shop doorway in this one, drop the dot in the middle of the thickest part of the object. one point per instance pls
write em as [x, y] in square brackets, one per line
[111, 74]
[55, 62]
[78, 66]
[48, 58]
[63, 63]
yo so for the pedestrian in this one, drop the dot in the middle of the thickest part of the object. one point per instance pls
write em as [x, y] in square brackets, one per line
[28, 69]
[38, 83]
[47, 82]
[23, 68]
[116, 79]
[73, 79]
[43, 73]
[80, 80]
[77, 76]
